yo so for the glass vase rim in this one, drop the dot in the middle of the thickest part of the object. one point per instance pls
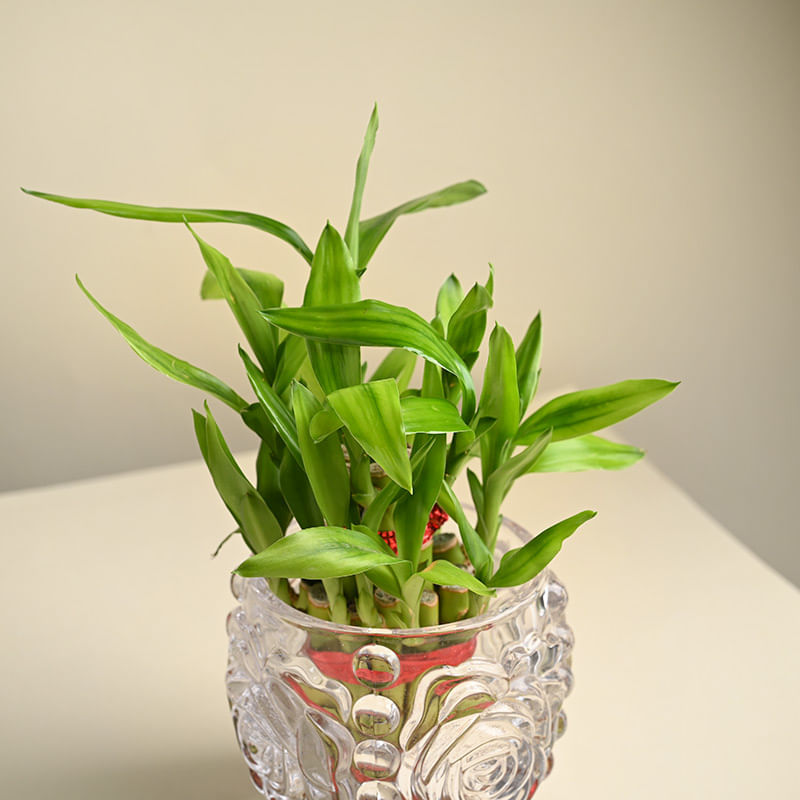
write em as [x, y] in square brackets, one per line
[513, 599]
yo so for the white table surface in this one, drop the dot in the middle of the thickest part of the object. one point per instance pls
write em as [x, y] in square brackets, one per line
[113, 646]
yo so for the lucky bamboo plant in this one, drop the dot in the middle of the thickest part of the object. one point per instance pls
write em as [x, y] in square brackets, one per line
[364, 463]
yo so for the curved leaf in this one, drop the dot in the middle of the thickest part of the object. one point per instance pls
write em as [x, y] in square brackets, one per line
[529, 356]
[589, 410]
[169, 214]
[372, 322]
[167, 364]
[477, 551]
[322, 552]
[398, 364]
[352, 232]
[267, 288]
[372, 230]
[586, 452]
[447, 301]
[518, 566]
[446, 573]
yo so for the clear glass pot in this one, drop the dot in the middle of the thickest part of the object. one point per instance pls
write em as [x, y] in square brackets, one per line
[469, 710]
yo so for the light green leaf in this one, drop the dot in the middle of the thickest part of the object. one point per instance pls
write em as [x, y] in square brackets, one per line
[243, 303]
[467, 325]
[372, 322]
[447, 301]
[292, 354]
[320, 552]
[324, 423]
[165, 214]
[431, 415]
[412, 511]
[169, 365]
[499, 398]
[501, 480]
[257, 523]
[267, 288]
[324, 461]
[586, 452]
[529, 357]
[352, 232]
[273, 407]
[447, 574]
[518, 566]
[372, 414]
[398, 364]
[587, 411]
[372, 230]
[298, 493]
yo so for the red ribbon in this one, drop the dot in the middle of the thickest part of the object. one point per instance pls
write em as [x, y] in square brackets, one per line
[437, 518]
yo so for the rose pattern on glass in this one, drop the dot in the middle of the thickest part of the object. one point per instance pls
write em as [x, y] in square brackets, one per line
[483, 729]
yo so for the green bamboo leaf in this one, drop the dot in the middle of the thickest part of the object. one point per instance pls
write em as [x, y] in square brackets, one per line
[320, 552]
[529, 356]
[477, 551]
[167, 214]
[273, 407]
[431, 415]
[475, 490]
[518, 566]
[372, 413]
[448, 574]
[333, 281]
[267, 288]
[298, 493]
[398, 364]
[412, 511]
[374, 323]
[169, 365]
[257, 523]
[372, 230]
[291, 356]
[590, 410]
[244, 304]
[268, 485]
[586, 452]
[352, 232]
[324, 461]
[447, 301]
[324, 423]
[499, 398]
[467, 325]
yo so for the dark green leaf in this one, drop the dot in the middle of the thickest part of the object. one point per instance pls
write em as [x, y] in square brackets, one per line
[587, 411]
[398, 364]
[333, 280]
[529, 356]
[412, 511]
[352, 232]
[170, 365]
[372, 414]
[324, 461]
[586, 452]
[447, 301]
[372, 230]
[267, 288]
[164, 214]
[318, 552]
[244, 304]
[431, 415]
[268, 485]
[518, 566]
[273, 407]
[298, 493]
[372, 322]
[448, 574]
[477, 551]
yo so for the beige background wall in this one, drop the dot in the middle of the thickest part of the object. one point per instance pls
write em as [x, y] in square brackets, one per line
[642, 160]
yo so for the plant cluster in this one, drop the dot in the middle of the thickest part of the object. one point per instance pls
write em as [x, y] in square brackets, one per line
[365, 462]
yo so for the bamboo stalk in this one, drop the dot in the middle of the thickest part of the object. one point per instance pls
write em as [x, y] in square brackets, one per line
[318, 605]
[453, 603]
[389, 607]
[429, 609]
[447, 546]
